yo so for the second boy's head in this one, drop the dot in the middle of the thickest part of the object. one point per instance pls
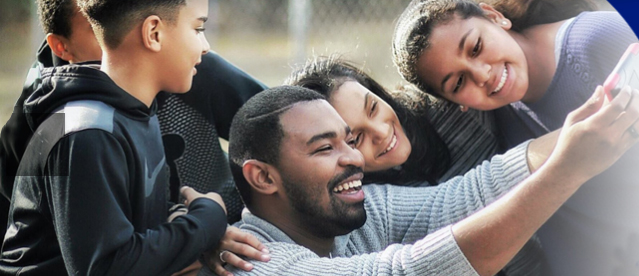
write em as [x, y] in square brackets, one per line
[162, 38]
[68, 32]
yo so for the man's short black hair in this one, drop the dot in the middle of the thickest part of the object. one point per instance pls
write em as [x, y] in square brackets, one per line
[55, 16]
[256, 132]
[113, 19]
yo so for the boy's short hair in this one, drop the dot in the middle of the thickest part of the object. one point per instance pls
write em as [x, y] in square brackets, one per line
[113, 19]
[55, 16]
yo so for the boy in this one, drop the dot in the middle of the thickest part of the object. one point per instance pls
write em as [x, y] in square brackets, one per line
[191, 123]
[90, 192]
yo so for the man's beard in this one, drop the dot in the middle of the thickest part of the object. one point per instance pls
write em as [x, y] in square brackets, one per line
[340, 218]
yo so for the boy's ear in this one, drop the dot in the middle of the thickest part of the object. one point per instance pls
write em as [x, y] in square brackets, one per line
[261, 176]
[495, 16]
[59, 47]
[152, 28]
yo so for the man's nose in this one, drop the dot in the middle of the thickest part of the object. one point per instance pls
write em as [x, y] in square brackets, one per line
[352, 157]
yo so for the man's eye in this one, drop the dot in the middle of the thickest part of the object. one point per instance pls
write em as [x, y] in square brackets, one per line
[200, 30]
[459, 84]
[324, 148]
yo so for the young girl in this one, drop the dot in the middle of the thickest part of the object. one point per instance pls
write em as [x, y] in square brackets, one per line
[399, 133]
[468, 54]
[537, 74]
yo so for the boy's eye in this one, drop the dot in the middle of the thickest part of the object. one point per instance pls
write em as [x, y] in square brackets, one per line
[477, 48]
[459, 84]
[200, 30]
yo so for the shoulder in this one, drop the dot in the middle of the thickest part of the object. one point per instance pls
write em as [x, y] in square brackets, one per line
[83, 115]
[599, 30]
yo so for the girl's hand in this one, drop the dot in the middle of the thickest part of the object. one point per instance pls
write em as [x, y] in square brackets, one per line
[234, 243]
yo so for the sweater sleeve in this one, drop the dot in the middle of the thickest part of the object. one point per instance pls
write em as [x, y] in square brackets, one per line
[411, 213]
[91, 208]
[416, 230]
[436, 254]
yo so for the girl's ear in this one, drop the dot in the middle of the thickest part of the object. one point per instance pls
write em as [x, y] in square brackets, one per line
[261, 176]
[495, 16]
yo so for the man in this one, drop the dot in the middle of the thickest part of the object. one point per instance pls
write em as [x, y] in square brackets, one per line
[190, 123]
[90, 192]
[300, 178]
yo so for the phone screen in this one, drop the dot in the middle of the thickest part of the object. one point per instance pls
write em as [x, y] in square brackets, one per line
[626, 73]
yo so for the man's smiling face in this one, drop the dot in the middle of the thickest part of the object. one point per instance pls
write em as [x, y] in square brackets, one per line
[320, 170]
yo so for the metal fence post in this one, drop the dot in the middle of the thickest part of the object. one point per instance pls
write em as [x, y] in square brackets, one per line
[299, 12]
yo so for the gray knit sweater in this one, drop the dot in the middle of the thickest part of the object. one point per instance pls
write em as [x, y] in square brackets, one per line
[407, 232]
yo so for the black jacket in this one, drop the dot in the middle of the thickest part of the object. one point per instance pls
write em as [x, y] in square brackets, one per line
[90, 191]
[190, 124]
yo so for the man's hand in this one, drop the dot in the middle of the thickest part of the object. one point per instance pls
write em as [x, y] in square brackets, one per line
[190, 194]
[234, 243]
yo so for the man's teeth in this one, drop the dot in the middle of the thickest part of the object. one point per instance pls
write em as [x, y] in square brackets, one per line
[504, 77]
[391, 145]
[347, 186]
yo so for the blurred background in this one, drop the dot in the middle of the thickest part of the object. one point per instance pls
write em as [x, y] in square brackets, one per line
[266, 38]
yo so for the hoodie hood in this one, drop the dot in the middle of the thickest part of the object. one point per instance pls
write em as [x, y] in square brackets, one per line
[76, 82]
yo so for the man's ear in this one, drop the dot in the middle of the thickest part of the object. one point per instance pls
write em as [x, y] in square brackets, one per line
[59, 46]
[263, 177]
[496, 16]
[152, 29]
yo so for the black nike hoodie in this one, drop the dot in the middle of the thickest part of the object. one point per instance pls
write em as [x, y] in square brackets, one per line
[90, 192]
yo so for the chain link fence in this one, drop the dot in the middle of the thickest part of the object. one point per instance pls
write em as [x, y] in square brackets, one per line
[268, 38]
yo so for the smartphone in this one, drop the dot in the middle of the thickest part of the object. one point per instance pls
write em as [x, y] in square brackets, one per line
[626, 73]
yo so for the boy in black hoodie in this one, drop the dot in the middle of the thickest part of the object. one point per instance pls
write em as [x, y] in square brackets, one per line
[191, 123]
[90, 192]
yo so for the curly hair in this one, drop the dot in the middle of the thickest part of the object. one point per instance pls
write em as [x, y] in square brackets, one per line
[55, 16]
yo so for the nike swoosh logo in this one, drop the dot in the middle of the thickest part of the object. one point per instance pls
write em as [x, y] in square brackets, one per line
[150, 181]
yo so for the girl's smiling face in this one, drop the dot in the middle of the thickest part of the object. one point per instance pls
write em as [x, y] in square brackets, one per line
[475, 62]
[378, 133]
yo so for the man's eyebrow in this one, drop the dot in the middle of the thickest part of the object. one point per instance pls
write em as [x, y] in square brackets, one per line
[327, 135]
[461, 48]
[321, 136]
[347, 129]
[203, 19]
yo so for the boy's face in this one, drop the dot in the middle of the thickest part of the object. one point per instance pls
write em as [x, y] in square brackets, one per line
[475, 62]
[185, 46]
